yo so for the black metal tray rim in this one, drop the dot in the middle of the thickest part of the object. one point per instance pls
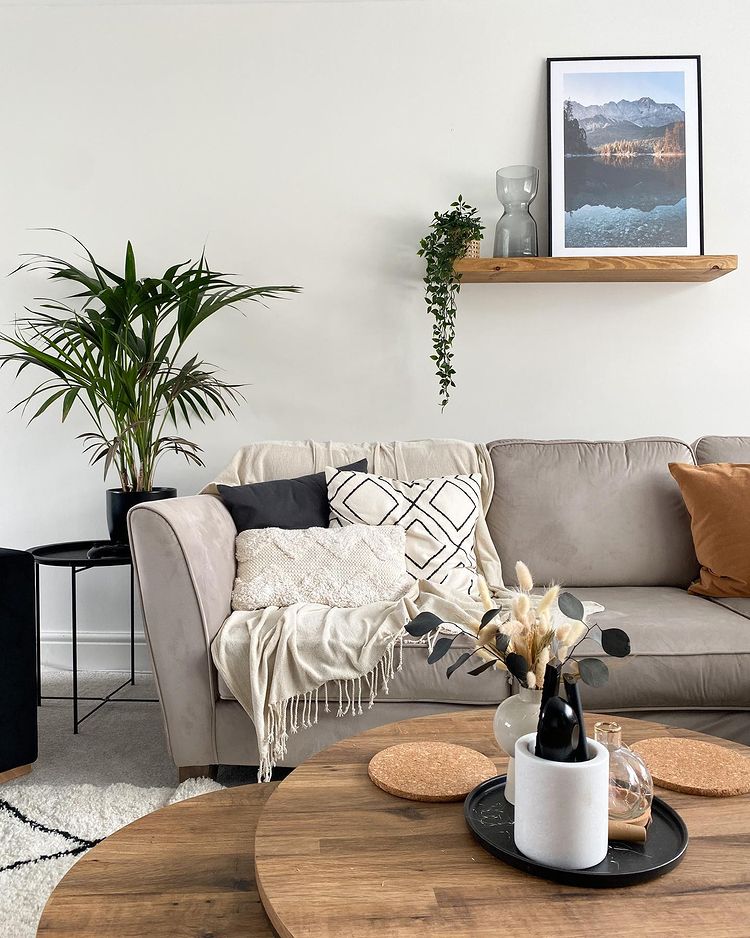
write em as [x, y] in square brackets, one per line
[592, 877]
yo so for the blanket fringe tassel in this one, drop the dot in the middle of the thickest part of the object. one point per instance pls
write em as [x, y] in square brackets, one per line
[301, 711]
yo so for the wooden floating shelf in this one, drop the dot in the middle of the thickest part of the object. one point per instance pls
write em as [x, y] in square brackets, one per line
[671, 269]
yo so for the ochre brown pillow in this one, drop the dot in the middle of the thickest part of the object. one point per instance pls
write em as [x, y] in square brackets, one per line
[717, 496]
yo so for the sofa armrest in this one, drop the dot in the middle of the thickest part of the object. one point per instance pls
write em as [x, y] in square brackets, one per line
[183, 553]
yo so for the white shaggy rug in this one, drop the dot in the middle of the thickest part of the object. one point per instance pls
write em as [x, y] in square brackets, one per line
[44, 829]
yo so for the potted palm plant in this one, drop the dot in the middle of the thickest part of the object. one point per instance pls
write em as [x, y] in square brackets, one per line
[120, 354]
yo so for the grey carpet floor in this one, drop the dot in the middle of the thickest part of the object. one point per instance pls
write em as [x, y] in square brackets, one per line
[121, 742]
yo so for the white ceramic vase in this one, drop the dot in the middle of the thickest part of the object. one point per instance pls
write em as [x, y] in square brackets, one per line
[561, 816]
[516, 716]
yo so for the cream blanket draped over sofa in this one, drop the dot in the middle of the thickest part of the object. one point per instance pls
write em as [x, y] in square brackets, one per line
[284, 664]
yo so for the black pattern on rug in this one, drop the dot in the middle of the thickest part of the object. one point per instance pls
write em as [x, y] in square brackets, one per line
[81, 843]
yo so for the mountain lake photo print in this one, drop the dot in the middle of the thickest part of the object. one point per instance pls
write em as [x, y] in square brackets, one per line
[624, 136]
[625, 174]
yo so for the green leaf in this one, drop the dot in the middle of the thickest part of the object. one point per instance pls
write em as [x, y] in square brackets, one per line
[441, 648]
[423, 624]
[518, 666]
[502, 640]
[129, 265]
[482, 668]
[570, 606]
[458, 663]
[47, 403]
[593, 671]
[615, 642]
[490, 615]
[70, 397]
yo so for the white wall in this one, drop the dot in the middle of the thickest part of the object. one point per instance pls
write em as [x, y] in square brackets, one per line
[309, 143]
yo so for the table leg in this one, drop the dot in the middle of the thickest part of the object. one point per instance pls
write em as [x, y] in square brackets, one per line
[37, 628]
[132, 626]
[74, 634]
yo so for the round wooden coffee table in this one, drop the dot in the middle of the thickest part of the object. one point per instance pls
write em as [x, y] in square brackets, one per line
[336, 856]
[186, 869]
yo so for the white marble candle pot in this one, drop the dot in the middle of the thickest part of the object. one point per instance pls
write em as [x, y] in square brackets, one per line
[561, 807]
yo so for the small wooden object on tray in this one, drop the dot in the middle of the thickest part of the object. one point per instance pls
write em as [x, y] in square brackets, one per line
[635, 831]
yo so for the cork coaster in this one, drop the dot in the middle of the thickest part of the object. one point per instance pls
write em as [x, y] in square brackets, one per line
[695, 767]
[429, 771]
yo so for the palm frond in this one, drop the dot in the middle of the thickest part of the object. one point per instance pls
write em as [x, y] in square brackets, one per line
[115, 348]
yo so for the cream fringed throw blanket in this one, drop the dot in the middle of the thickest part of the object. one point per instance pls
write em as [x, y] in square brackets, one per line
[280, 663]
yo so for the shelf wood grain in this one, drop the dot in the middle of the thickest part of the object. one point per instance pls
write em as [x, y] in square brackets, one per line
[678, 269]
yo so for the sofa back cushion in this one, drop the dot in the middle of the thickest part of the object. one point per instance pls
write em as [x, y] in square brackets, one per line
[592, 513]
[710, 449]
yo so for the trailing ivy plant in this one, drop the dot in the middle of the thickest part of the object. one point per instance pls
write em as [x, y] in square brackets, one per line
[447, 240]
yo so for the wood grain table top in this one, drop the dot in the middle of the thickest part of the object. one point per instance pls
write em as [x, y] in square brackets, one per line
[336, 857]
[185, 870]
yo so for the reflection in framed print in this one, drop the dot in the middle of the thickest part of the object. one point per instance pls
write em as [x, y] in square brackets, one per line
[625, 173]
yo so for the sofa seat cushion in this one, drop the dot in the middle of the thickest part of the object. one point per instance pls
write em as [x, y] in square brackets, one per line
[426, 683]
[688, 652]
[738, 604]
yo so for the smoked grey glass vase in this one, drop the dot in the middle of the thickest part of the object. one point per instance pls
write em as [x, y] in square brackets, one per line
[515, 233]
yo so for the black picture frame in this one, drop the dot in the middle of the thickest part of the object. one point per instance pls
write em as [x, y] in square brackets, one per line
[698, 144]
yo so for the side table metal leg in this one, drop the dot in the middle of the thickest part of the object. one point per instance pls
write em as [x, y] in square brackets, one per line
[74, 634]
[37, 627]
[132, 625]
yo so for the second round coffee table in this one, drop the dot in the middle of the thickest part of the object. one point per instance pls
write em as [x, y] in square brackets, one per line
[336, 856]
[184, 870]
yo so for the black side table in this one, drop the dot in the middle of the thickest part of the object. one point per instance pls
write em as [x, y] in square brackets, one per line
[74, 555]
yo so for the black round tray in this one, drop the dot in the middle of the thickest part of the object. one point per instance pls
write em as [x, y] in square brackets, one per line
[490, 818]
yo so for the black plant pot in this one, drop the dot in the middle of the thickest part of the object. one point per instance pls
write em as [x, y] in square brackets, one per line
[119, 504]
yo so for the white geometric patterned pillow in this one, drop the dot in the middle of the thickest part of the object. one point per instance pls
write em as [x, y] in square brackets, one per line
[439, 516]
[340, 567]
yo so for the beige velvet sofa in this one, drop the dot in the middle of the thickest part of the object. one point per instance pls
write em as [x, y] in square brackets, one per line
[605, 519]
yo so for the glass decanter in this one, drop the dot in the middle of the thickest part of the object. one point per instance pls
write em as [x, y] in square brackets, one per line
[515, 233]
[631, 787]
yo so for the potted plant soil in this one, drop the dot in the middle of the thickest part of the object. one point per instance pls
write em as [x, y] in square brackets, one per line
[116, 349]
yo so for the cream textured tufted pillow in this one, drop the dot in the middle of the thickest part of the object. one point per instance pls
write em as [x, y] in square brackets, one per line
[344, 567]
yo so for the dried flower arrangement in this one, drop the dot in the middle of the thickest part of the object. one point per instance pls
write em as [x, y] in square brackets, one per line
[521, 636]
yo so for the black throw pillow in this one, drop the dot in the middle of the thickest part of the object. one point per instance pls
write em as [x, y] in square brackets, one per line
[282, 503]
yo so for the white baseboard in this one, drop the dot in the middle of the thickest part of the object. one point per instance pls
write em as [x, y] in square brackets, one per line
[97, 651]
